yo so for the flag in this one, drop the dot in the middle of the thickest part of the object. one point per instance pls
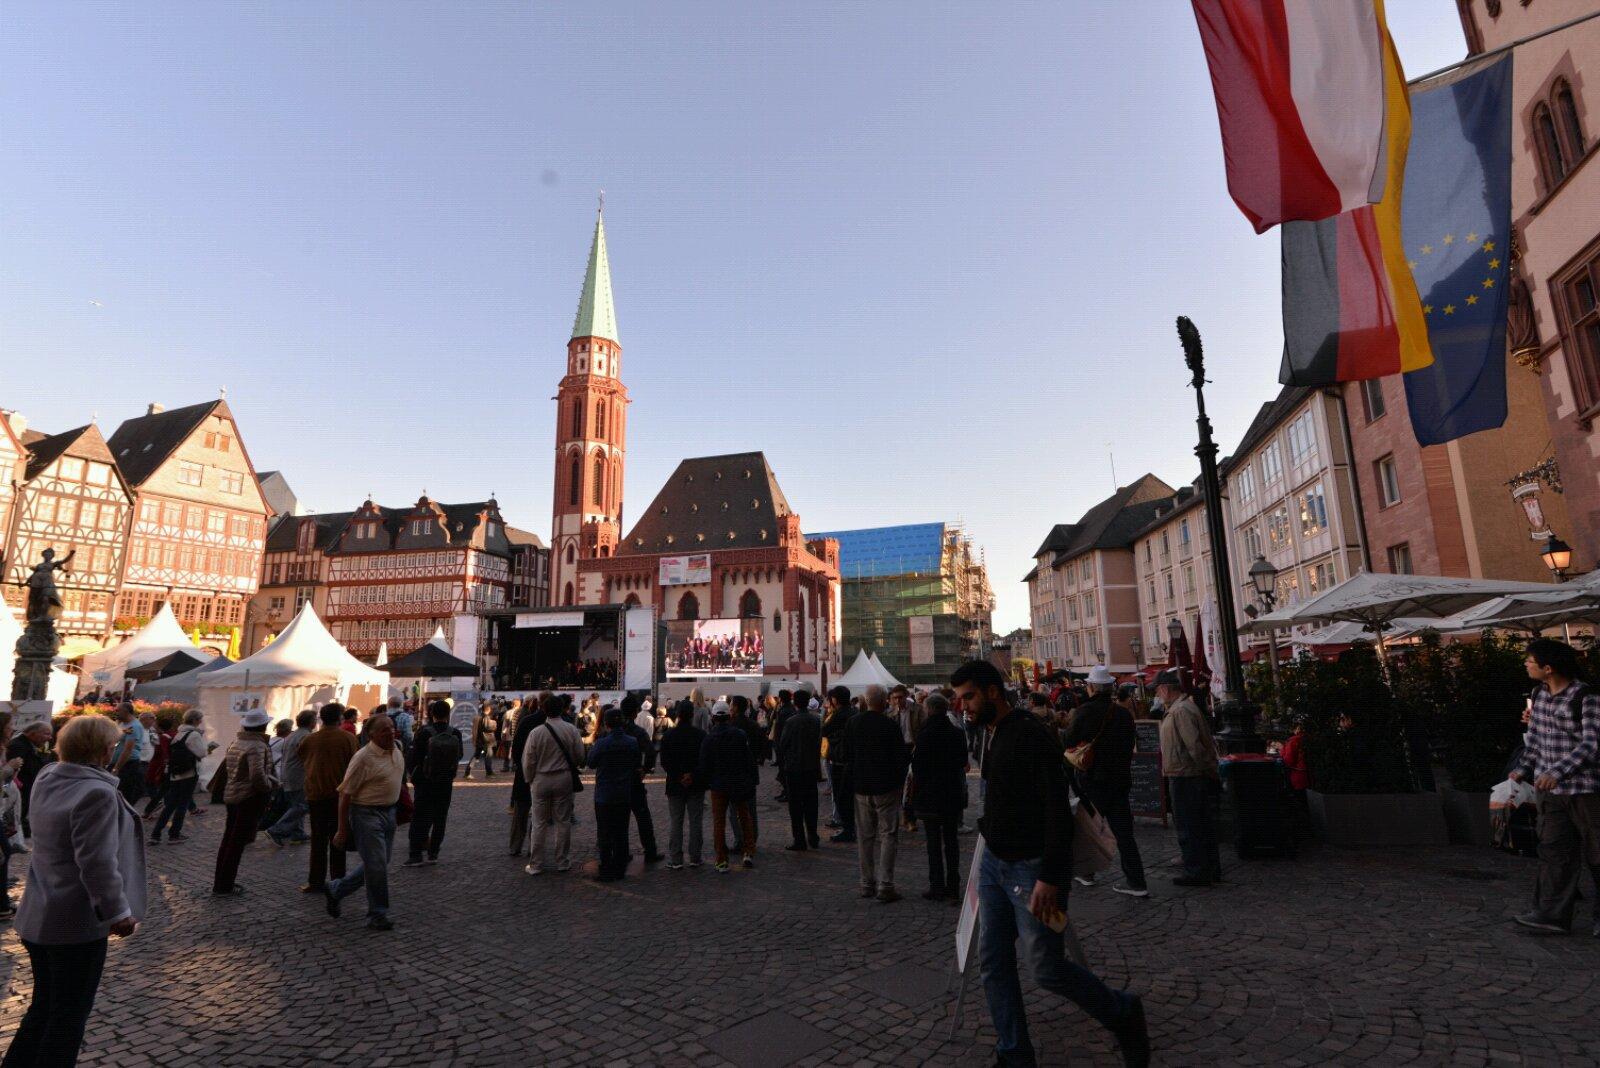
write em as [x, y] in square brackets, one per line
[1458, 238]
[1350, 307]
[1301, 99]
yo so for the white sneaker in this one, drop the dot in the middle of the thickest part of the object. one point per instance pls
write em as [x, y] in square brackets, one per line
[533, 869]
[1083, 880]
[1121, 886]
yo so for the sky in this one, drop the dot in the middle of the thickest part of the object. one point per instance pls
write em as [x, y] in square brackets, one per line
[927, 256]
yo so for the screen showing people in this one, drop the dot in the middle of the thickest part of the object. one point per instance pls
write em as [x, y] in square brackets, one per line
[714, 647]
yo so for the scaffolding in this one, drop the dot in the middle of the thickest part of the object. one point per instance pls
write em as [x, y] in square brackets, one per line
[918, 596]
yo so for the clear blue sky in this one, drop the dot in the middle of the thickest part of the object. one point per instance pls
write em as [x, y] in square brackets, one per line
[926, 256]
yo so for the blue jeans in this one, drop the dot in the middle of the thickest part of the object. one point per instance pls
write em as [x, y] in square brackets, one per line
[289, 824]
[1004, 888]
[373, 829]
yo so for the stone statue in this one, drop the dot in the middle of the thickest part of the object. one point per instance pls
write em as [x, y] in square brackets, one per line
[1522, 329]
[37, 648]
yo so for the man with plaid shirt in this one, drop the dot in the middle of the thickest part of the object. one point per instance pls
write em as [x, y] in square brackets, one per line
[1562, 758]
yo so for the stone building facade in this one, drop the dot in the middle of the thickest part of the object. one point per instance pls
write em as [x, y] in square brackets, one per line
[1173, 570]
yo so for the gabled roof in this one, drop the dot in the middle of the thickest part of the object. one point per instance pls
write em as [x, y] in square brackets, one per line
[85, 441]
[712, 502]
[142, 444]
[1059, 538]
[1272, 413]
[596, 317]
[518, 537]
[1112, 523]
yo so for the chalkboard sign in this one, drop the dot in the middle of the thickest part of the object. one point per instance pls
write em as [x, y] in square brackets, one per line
[1147, 735]
[1148, 796]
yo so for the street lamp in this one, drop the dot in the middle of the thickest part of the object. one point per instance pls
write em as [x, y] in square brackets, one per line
[1557, 557]
[1175, 633]
[1136, 647]
[1264, 577]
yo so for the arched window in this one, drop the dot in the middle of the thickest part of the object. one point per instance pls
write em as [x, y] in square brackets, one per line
[569, 552]
[688, 606]
[567, 597]
[750, 605]
[632, 601]
[600, 419]
[1567, 116]
[575, 481]
[577, 418]
[599, 481]
[616, 420]
[1551, 152]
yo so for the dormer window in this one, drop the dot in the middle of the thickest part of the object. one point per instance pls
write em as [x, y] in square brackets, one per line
[420, 527]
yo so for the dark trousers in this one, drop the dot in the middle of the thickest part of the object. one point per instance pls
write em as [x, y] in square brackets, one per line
[844, 795]
[180, 794]
[611, 833]
[65, 979]
[432, 801]
[803, 812]
[157, 793]
[520, 811]
[944, 854]
[1110, 799]
[327, 859]
[130, 781]
[1195, 800]
[485, 753]
[639, 802]
[243, 818]
[1569, 843]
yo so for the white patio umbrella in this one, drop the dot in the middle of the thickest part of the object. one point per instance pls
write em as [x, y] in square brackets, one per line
[1379, 600]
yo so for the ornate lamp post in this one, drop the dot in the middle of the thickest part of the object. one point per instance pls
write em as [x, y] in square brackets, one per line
[1136, 647]
[1264, 579]
[1238, 733]
[1557, 557]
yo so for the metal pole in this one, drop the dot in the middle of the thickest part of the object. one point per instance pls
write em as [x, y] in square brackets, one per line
[1238, 735]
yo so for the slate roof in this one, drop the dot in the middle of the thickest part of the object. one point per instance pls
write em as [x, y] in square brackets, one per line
[1187, 499]
[142, 444]
[711, 502]
[285, 531]
[84, 441]
[1059, 538]
[518, 536]
[1112, 523]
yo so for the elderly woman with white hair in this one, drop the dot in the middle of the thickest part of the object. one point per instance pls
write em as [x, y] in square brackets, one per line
[86, 882]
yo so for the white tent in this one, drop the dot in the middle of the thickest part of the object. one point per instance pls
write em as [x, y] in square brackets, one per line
[885, 679]
[158, 638]
[860, 676]
[61, 685]
[304, 666]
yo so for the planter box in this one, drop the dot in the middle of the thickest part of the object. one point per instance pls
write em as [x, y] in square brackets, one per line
[1466, 815]
[1379, 819]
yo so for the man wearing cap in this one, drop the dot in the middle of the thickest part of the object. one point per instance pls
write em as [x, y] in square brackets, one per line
[1189, 762]
[250, 785]
[1023, 876]
[1108, 779]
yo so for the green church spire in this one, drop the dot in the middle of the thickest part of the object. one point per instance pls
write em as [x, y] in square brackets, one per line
[597, 317]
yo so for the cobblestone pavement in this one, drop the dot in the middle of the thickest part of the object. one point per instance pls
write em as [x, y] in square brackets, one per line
[1374, 958]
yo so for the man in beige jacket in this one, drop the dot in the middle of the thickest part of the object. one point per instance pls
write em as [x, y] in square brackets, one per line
[1189, 762]
[553, 749]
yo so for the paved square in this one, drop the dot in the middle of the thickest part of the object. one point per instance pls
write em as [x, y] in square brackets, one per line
[1370, 958]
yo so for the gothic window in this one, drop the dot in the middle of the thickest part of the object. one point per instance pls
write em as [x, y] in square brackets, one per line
[574, 481]
[688, 607]
[632, 601]
[567, 596]
[750, 605]
[600, 419]
[599, 481]
[569, 552]
[1551, 154]
[1567, 120]
[577, 418]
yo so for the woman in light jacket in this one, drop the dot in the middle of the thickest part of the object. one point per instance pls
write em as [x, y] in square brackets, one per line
[85, 882]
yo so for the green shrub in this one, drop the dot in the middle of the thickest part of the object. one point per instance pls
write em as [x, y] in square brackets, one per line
[1488, 687]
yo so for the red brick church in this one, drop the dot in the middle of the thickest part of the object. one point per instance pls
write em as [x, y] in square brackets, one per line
[718, 541]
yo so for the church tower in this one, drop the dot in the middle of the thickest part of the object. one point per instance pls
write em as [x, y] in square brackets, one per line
[591, 424]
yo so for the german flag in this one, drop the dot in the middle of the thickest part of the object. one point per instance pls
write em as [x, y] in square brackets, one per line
[1350, 307]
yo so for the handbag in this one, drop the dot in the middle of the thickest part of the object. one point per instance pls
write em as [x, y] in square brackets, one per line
[1081, 756]
[1094, 847]
[404, 807]
[577, 780]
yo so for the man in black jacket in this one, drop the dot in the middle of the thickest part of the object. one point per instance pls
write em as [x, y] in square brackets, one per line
[1027, 829]
[640, 800]
[686, 794]
[745, 722]
[833, 731]
[775, 734]
[1108, 779]
[878, 759]
[433, 779]
[800, 764]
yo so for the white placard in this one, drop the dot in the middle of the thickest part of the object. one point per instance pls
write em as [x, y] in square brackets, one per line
[967, 925]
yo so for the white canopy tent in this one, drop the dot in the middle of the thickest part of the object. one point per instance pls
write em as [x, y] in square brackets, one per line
[61, 685]
[183, 688]
[304, 666]
[160, 637]
[885, 678]
[860, 676]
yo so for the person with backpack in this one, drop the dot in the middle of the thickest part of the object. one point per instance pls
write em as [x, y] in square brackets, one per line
[551, 753]
[250, 786]
[484, 729]
[435, 755]
[188, 748]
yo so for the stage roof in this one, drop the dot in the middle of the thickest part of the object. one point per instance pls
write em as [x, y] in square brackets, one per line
[880, 552]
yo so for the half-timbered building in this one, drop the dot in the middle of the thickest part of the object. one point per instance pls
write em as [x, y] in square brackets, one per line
[72, 499]
[13, 465]
[200, 519]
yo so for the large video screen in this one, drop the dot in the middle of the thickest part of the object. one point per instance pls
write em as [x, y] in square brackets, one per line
[714, 647]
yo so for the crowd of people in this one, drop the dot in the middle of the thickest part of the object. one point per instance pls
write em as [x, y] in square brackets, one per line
[893, 762]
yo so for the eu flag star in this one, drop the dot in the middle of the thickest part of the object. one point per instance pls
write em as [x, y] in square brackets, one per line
[1488, 246]
[1488, 283]
[1449, 239]
[1472, 239]
[1413, 264]
[1472, 298]
[1449, 309]
[1427, 309]
[1493, 264]
[1427, 250]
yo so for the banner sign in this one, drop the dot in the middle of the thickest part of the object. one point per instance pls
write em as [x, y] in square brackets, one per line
[685, 570]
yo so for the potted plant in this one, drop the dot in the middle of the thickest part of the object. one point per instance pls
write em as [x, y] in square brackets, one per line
[1480, 729]
[1364, 788]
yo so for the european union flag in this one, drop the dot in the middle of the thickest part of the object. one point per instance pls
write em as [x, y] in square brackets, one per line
[1457, 229]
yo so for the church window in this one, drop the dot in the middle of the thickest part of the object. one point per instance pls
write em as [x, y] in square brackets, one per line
[567, 598]
[600, 419]
[577, 418]
[599, 480]
[688, 607]
[574, 481]
[750, 605]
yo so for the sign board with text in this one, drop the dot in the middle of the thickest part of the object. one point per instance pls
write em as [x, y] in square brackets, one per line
[685, 570]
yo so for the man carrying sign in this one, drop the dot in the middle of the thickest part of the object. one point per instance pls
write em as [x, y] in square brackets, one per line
[1024, 875]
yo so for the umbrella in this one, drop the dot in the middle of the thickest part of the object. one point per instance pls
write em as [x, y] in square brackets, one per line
[1378, 600]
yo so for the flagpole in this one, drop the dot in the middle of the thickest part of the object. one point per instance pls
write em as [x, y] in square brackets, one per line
[1505, 47]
